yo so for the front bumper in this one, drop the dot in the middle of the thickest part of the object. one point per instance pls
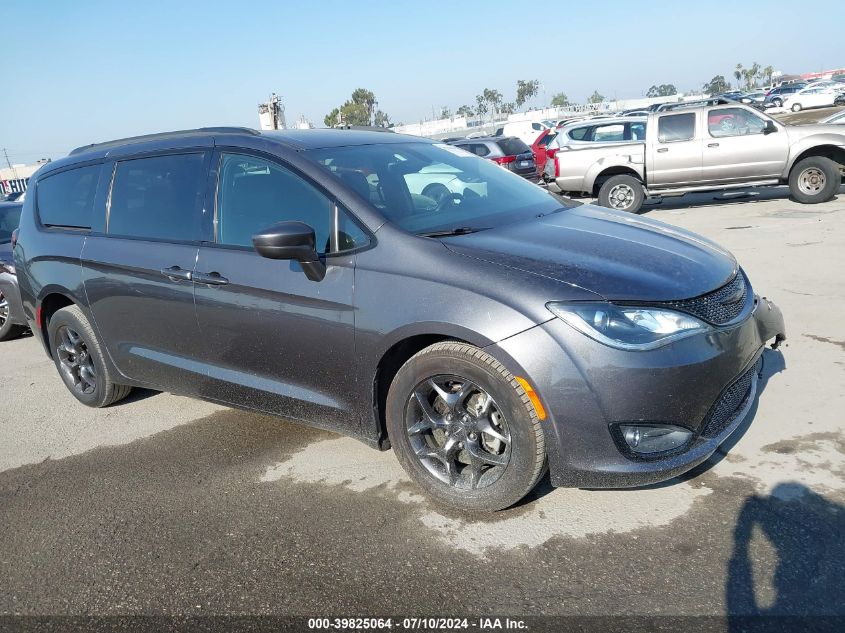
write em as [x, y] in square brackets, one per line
[705, 383]
[9, 288]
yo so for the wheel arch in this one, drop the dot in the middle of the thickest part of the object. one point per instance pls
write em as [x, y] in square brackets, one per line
[616, 170]
[51, 302]
[829, 150]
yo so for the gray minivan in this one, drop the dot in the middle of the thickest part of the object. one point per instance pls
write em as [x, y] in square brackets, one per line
[483, 334]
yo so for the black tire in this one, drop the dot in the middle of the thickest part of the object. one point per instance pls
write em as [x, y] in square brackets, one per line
[622, 193]
[814, 179]
[777, 102]
[8, 330]
[796, 107]
[98, 390]
[526, 451]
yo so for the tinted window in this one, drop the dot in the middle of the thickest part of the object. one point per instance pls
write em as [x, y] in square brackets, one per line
[733, 122]
[424, 187]
[676, 127]
[254, 194]
[580, 133]
[158, 197]
[10, 218]
[548, 138]
[512, 146]
[67, 198]
[479, 149]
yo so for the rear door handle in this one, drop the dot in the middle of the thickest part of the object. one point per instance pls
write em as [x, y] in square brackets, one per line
[210, 279]
[174, 273]
[662, 150]
[712, 145]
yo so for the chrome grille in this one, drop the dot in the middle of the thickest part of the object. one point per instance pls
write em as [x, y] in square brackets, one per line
[720, 306]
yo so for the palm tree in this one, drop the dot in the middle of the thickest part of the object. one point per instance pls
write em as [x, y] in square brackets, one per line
[738, 74]
[768, 73]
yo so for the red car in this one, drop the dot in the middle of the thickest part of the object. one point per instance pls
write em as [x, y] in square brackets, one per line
[540, 149]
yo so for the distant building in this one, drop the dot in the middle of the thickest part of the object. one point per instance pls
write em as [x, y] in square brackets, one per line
[16, 177]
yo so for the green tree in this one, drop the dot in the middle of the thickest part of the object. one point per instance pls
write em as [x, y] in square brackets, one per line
[768, 73]
[750, 76]
[381, 119]
[359, 110]
[332, 118]
[717, 85]
[663, 90]
[445, 113]
[525, 90]
[738, 75]
[481, 105]
[509, 107]
[465, 111]
[560, 100]
[364, 97]
[596, 97]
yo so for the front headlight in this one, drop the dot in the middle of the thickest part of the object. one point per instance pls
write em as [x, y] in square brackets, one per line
[627, 327]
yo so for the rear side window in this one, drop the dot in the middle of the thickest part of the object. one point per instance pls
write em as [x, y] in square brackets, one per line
[479, 149]
[548, 138]
[66, 199]
[676, 127]
[513, 146]
[579, 133]
[158, 198]
[611, 132]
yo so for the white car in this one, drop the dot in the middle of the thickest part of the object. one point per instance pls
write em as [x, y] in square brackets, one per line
[811, 97]
[835, 119]
[526, 131]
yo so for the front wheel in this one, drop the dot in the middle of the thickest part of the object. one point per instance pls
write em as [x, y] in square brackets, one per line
[623, 193]
[464, 428]
[796, 107]
[814, 179]
[777, 102]
[79, 358]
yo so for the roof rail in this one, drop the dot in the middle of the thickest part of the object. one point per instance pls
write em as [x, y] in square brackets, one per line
[163, 135]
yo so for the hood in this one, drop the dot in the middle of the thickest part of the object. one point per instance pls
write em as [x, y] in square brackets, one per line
[831, 132]
[617, 255]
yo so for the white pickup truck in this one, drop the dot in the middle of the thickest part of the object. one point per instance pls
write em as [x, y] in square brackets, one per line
[722, 145]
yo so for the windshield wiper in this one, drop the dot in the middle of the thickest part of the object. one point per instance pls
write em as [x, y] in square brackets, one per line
[460, 230]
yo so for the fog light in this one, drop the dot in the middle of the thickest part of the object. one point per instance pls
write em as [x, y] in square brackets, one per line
[641, 438]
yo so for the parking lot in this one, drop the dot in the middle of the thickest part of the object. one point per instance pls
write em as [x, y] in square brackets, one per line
[163, 504]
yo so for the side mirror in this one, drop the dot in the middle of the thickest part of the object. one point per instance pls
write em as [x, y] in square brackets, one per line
[770, 127]
[291, 240]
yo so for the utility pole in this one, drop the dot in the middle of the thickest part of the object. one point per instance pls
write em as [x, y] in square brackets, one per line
[9, 163]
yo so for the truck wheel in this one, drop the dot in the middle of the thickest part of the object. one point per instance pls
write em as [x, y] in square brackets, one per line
[79, 358]
[623, 193]
[814, 179]
[464, 429]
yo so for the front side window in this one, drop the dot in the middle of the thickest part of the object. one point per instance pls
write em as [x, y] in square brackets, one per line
[254, 194]
[66, 199]
[733, 122]
[159, 197]
[430, 187]
[676, 127]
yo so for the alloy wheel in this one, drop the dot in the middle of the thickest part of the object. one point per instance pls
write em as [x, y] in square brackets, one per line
[458, 432]
[4, 310]
[621, 197]
[75, 361]
[811, 181]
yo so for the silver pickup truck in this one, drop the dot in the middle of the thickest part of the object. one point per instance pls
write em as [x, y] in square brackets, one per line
[722, 145]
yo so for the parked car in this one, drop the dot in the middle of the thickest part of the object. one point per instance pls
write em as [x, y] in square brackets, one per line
[776, 96]
[591, 132]
[541, 148]
[12, 321]
[753, 98]
[14, 196]
[709, 148]
[526, 131]
[506, 151]
[482, 341]
[836, 119]
[732, 95]
[810, 97]
[839, 100]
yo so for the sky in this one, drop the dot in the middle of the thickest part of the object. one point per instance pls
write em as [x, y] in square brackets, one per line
[81, 71]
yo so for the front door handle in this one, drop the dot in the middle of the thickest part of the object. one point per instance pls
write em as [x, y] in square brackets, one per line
[210, 279]
[662, 150]
[174, 273]
[712, 145]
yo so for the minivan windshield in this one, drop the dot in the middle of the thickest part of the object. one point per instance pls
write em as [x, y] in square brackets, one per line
[428, 188]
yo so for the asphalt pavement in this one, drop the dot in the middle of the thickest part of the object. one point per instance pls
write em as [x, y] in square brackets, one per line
[166, 505]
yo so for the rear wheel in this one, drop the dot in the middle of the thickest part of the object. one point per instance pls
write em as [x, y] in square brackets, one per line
[464, 429]
[79, 358]
[796, 107]
[814, 179]
[623, 193]
[8, 330]
[777, 101]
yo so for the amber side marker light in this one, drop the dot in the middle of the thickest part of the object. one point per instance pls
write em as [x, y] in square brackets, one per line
[532, 396]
